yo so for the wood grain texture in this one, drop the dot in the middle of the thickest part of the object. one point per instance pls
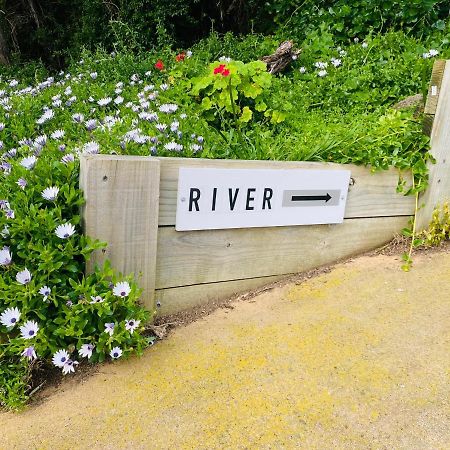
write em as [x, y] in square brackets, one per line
[197, 257]
[371, 195]
[439, 182]
[436, 81]
[122, 194]
[182, 298]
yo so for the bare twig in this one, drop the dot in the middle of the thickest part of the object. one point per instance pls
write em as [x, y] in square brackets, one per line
[282, 57]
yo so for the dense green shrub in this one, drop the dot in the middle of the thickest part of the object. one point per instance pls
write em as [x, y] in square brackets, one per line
[358, 18]
[53, 31]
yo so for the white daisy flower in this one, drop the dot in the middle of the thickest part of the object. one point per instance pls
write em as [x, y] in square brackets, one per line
[22, 183]
[58, 134]
[29, 329]
[104, 101]
[426, 55]
[77, 117]
[93, 75]
[131, 325]
[432, 52]
[69, 366]
[188, 54]
[118, 100]
[86, 350]
[164, 87]
[45, 291]
[109, 328]
[336, 62]
[96, 299]
[302, 69]
[29, 353]
[5, 256]
[321, 65]
[4, 205]
[10, 317]
[65, 231]
[173, 146]
[91, 148]
[322, 73]
[13, 83]
[48, 114]
[5, 232]
[342, 53]
[24, 276]
[91, 124]
[122, 289]
[364, 45]
[168, 108]
[50, 193]
[67, 159]
[40, 141]
[116, 352]
[60, 358]
[28, 162]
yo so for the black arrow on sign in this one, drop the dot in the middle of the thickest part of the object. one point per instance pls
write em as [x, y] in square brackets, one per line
[310, 198]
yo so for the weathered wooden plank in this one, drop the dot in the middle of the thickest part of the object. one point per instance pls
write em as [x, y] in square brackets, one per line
[435, 87]
[371, 194]
[439, 181]
[178, 299]
[122, 194]
[221, 255]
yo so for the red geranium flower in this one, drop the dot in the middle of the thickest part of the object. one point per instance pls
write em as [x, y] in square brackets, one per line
[159, 65]
[180, 56]
[226, 72]
[219, 69]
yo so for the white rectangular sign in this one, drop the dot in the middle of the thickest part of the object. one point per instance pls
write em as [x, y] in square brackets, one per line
[242, 198]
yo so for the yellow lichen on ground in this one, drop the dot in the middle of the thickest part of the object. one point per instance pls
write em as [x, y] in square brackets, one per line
[355, 358]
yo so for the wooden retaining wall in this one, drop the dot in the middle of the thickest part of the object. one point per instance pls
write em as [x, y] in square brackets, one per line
[131, 204]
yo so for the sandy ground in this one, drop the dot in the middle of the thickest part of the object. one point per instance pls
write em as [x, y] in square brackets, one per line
[357, 358]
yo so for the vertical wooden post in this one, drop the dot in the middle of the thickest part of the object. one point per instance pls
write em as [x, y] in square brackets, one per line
[122, 204]
[432, 99]
[438, 190]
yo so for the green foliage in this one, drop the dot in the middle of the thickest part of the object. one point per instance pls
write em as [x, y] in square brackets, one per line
[14, 379]
[234, 95]
[439, 229]
[360, 17]
[54, 31]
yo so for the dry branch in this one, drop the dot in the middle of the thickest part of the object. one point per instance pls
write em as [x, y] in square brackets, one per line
[282, 57]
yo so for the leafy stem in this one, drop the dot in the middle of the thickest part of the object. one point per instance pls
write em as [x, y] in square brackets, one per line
[233, 107]
[407, 256]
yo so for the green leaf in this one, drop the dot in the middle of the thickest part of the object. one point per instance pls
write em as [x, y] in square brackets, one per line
[246, 115]
[277, 117]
